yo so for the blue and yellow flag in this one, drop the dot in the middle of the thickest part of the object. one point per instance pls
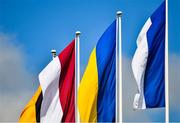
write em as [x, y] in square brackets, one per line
[96, 95]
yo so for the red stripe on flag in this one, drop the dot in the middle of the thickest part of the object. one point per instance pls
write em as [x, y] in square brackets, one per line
[66, 82]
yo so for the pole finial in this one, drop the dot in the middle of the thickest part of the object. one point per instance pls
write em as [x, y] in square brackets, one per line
[78, 33]
[119, 13]
[53, 53]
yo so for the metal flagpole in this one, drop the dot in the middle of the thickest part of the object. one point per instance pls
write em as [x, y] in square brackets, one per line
[118, 68]
[166, 69]
[77, 73]
[53, 53]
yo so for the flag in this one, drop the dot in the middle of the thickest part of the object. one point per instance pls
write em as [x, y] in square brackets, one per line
[57, 90]
[96, 94]
[31, 112]
[148, 62]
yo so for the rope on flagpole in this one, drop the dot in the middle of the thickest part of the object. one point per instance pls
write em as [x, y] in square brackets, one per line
[77, 73]
[118, 68]
[166, 69]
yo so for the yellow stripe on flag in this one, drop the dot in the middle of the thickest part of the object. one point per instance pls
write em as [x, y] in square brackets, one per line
[87, 104]
[29, 112]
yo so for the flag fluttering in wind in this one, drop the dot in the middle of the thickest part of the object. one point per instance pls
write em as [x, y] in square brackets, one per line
[54, 100]
[148, 63]
[96, 95]
[31, 112]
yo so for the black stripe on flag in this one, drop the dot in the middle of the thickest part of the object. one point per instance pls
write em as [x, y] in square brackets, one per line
[38, 107]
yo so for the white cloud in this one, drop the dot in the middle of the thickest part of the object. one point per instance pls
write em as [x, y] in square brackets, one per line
[174, 87]
[16, 83]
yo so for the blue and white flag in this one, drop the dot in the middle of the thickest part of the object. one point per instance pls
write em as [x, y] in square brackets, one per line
[149, 62]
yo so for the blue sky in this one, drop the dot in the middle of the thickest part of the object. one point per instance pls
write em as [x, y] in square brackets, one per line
[43, 25]
[38, 26]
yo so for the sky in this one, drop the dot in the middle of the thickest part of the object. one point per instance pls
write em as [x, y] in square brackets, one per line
[29, 29]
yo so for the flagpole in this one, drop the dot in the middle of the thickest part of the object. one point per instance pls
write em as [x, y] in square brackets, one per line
[166, 69]
[53, 53]
[118, 68]
[77, 74]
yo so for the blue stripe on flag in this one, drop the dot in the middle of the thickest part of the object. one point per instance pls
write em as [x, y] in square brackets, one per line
[154, 80]
[105, 54]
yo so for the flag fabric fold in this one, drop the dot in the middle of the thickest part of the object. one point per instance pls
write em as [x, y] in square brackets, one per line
[96, 94]
[67, 82]
[31, 112]
[51, 110]
[148, 62]
[54, 99]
